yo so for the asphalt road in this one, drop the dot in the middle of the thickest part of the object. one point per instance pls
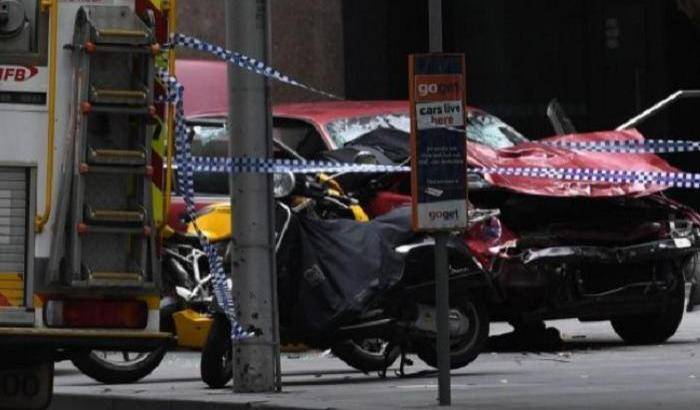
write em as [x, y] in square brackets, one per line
[594, 370]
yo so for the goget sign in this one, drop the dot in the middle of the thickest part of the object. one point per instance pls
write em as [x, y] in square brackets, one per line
[438, 142]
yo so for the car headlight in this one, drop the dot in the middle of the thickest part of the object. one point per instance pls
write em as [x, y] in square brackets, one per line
[283, 184]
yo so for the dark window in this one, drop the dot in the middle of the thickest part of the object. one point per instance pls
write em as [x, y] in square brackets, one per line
[300, 136]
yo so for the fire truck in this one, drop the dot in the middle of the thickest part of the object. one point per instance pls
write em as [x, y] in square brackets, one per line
[83, 141]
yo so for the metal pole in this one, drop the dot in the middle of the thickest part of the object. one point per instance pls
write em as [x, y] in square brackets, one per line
[442, 285]
[255, 360]
[435, 25]
[442, 295]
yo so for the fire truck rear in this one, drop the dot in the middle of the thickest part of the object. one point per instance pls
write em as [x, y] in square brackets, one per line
[82, 143]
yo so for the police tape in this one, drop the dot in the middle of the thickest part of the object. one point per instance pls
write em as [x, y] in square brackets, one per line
[650, 146]
[683, 180]
[263, 165]
[245, 62]
[273, 166]
[185, 188]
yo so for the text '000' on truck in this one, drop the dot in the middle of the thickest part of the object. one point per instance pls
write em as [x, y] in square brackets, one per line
[82, 194]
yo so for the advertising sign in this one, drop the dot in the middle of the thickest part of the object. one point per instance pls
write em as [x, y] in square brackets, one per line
[438, 141]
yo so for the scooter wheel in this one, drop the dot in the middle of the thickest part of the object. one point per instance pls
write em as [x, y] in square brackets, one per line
[368, 355]
[465, 348]
[216, 365]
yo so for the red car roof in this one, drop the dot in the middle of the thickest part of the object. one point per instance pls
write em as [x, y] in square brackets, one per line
[206, 95]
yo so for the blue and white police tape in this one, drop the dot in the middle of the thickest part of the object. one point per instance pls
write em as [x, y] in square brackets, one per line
[271, 166]
[262, 165]
[185, 186]
[650, 146]
[668, 179]
[245, 62]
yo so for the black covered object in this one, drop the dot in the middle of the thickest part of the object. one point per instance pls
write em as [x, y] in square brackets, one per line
[394, 144]
[389, 146]
[345, 266]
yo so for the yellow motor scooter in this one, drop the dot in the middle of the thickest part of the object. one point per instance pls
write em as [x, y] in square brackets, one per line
[184, 267]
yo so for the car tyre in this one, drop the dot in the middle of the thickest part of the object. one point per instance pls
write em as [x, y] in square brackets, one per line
[656, 327]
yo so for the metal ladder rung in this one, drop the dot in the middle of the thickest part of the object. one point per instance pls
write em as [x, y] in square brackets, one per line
[116, 157]
[116, 278]
[105, 216]
[121, 33]
[146, 171]
[123, 109]
[124, 48]
[114, 96]
[85, 229]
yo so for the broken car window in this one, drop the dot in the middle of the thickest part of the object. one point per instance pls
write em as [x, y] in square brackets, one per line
[482, 127]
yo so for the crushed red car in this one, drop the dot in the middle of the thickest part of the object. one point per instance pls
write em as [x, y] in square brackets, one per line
[620, 252]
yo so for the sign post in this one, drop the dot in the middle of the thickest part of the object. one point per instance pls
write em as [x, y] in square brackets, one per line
[439, 174]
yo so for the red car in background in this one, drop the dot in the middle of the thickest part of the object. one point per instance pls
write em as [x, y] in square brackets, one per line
[559, 249]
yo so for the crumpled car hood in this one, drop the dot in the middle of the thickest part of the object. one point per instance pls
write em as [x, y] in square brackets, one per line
[536, 154]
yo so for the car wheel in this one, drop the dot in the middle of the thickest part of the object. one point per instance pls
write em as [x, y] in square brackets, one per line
[653, 328]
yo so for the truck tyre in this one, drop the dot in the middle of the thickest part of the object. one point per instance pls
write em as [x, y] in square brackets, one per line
[467, 347]
[653, 328]
[216, 364]
[96, 365]
[366, 355]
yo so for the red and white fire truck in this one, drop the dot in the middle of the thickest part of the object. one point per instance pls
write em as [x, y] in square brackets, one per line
[83, 139]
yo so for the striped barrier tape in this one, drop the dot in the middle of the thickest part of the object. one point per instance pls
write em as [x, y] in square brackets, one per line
[261, 165]
[185, 188]
[272, 166]
[630, 146]
[668, 179]
[245, 62]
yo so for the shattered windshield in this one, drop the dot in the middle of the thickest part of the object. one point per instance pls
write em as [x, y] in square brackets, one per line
[347, 129]
[482, 127]
[489, 130]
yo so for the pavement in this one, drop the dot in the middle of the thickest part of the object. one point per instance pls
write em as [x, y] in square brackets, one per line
[594, 370]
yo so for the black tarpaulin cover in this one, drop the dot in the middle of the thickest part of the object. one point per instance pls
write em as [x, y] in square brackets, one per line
[345, 266]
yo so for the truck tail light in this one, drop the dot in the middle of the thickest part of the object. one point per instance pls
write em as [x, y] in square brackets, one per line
[96, 313]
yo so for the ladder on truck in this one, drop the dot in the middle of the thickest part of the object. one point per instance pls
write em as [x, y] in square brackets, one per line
[111, 230]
